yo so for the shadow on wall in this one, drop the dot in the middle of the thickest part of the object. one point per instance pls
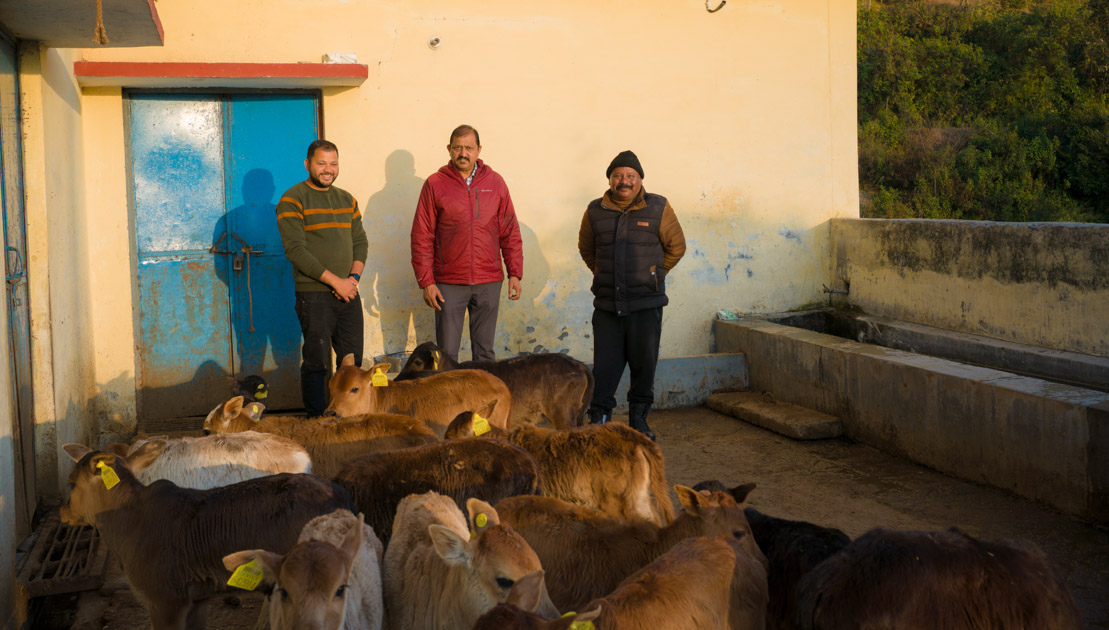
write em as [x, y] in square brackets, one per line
[390, 292]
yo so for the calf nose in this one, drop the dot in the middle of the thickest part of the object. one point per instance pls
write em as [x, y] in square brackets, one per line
[207, 432]
[331, 414]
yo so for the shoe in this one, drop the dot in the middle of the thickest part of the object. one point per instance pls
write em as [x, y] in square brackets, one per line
[598, 415]
[637, 418]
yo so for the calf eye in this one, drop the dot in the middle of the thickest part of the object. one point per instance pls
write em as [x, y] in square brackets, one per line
[281, 593]
[342, 591]
[504, 582]
[354, 390]
[739, 534]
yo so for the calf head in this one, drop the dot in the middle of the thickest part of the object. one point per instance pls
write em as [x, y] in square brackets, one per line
[233, 416]
[427, 357]
[463, 424]
[721, 513]
[89, 494]
[495, 559]
[351, 389]
[310, 582]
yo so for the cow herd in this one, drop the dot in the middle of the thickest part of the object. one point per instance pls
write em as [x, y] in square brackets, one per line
[434, 501]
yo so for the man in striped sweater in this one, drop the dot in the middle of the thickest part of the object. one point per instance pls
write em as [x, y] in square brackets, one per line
[321, 229]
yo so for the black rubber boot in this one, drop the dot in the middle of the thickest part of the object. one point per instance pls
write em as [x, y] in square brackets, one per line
[598, 415]
[637, 418]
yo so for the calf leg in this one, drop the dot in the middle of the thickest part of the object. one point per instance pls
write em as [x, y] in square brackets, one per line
[169, 615]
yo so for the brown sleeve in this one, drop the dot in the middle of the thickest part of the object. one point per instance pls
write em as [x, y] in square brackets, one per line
[672, 237]
[586, 244]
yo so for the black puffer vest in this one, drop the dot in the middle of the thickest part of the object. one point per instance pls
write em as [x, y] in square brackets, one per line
[628, 273]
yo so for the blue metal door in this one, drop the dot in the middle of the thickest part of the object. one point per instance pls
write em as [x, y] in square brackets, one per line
[15, 274]
[214, 288]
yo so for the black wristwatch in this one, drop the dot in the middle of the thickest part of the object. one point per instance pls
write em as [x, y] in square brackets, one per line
[357, 278]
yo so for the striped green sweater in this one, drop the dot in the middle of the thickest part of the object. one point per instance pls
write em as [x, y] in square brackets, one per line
[320, 230]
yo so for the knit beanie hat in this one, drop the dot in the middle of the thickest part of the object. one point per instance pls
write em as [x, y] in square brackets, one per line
[625, 158]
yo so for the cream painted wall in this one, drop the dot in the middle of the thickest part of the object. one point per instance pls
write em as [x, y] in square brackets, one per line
[58, 261]
[8, 613]
[744, 119]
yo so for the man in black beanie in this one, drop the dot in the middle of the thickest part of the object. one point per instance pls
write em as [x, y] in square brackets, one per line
[630, 239]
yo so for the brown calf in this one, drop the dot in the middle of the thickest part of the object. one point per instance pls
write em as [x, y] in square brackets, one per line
[330, 442]
[330, 579]
[443, 572]
[555, 386]
[611, 467]
[487, 469]
[586, 553]
[912, 580]
[436, 399]
[171, 540]
[792, 549]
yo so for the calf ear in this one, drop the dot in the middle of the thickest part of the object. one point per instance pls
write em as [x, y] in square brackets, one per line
[352, 542]
[254, 411]
[526, 592]
[384, 367]
[691, 500]
[740, 493]
[271, 562]
[76, 451]
[449, 545]
[348, 359]
[461, 426]
[232, 408]
[487, 411]
[482, 515]
[109, 459]
[589, 616]
[117, 448]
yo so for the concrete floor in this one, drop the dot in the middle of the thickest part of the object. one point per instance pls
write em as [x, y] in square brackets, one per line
[830, 482]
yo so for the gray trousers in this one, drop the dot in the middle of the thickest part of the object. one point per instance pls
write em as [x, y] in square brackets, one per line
[482, 301]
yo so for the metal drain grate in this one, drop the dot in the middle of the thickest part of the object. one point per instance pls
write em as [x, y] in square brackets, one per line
[64, 559]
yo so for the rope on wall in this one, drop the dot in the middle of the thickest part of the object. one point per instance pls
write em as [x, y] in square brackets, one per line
[100, 36]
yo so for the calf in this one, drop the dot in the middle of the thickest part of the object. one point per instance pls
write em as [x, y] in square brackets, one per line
[171, 540]
[611, 467]
[487, 469]
[330, 442]
[436, 399]
[586, 553]
[792, 548]
[687, 588]
[555, 386]
[213, 461]
[917, 579]
[442, 572]
[330, 579]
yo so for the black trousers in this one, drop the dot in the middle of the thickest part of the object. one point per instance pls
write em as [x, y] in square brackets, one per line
[630, 340]
[326, 322]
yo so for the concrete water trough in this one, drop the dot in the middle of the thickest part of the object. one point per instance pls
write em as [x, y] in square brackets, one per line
[1025, 419]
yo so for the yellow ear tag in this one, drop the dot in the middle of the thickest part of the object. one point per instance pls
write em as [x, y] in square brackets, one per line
[261, 395]
[481, 425]
[481, 520]
[255, 414]
[247, 577]
[435, 361]
[107, 474]
[379, 379]
[582, 625]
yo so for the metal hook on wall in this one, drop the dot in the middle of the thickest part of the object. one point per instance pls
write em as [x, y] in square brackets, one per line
[720, 6]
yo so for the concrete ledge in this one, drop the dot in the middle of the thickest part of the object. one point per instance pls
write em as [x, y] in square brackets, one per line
[1040, 440]
[789, 420]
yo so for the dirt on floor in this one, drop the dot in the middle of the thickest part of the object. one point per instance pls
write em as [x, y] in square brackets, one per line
[829, 482]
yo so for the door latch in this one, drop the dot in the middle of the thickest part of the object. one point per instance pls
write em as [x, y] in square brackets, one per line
[237, 262]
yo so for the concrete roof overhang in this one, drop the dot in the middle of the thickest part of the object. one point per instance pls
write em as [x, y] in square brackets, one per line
[72, 23]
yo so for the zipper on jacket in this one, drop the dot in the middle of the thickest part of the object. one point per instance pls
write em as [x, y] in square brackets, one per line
[477, 211]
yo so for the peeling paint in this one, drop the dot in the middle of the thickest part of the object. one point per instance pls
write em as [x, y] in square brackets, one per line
[789, 235]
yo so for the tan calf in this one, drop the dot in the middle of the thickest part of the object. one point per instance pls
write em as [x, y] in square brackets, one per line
[436, 399]
[330, 580]
[442, 572]
[611, 467]
[330, 441]
[586, 553]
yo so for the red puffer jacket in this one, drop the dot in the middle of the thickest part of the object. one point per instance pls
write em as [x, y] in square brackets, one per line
[459, 234]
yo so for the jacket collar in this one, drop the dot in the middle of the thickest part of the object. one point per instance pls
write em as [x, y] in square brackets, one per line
[638, 203]
[449, 170]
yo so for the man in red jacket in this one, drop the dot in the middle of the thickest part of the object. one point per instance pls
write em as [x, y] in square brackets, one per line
[463, 226]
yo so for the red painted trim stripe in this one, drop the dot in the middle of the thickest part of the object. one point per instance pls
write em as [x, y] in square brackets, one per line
[142, 69]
